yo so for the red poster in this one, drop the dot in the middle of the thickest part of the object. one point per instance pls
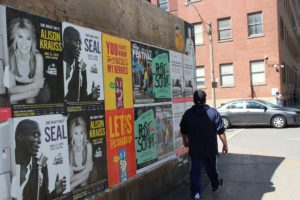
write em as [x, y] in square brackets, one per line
[120, 145]
[5, 113]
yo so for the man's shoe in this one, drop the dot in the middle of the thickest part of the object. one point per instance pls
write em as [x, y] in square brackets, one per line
[221, 182]
[197, 196]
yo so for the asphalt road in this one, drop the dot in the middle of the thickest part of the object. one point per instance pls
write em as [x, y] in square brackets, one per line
[263, 163]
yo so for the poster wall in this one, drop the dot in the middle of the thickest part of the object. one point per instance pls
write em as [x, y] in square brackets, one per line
[164, 130]
[178, 111]
[87, 151]
[145, 136]
[5, 111]
[82, 64]
[189, 75]
[189, 39]
[40, 158]
[119, 109]
[63, 143]
[153, 134]
[34, 46]
[151, 74]
[177, 74]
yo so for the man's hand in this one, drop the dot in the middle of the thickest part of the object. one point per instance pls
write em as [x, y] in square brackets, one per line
[96, 92]
[225, 149]
[224, 141]
[60, 185]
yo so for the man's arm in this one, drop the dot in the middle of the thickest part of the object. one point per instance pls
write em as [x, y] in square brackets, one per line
[222, 137]
[184, 131]
[185, 140]
[221, 131]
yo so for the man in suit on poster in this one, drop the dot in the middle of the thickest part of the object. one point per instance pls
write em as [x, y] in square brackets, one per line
[75, 70]
[31, 179]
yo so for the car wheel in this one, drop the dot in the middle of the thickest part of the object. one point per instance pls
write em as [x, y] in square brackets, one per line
[278, 121]
[226, 122]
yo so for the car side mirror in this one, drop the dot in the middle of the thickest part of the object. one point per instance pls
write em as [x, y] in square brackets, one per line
[265, 108]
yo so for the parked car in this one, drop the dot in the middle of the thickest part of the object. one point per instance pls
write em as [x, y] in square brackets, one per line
[258, 112]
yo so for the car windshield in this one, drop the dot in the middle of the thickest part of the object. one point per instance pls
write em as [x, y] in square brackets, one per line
[268, 104]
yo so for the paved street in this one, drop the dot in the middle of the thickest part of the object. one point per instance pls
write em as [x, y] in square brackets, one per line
[263, 164]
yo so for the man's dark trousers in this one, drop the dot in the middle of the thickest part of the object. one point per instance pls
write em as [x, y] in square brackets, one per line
[197, 163]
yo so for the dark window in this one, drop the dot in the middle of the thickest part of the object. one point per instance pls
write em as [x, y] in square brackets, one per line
[224, 28]
[254, 105]
[163, 4]
[236, 105]
[255, 24]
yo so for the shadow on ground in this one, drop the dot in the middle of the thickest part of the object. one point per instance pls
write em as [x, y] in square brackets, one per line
[247, 177]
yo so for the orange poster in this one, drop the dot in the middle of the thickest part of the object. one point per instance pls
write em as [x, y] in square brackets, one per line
[118, 109]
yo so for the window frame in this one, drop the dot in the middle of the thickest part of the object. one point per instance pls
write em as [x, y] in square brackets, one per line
[257, 72]
[165, 3]
[200, 34]
[199, 77]
[255, 24]
[224, 29]
[227, 74]
[190, 1]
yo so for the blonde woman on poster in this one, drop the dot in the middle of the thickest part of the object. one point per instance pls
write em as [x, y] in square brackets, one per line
[25, 62]
[80, 152]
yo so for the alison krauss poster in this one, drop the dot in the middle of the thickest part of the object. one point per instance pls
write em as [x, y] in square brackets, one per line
[87, 152]
[82, 62]
[34, 57]
[5, 111]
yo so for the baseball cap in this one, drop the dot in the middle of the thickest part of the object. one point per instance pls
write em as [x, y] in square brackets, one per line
[199, 96]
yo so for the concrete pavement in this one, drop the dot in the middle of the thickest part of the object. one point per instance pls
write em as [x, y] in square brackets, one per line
[263, 164]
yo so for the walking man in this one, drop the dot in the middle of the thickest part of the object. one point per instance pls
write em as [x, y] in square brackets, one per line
[199, 127]
[279, 99]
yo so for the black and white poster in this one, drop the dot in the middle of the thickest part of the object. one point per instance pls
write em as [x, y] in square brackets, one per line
[34, 71]
[87, 151]
[82, 63]
[40, 157]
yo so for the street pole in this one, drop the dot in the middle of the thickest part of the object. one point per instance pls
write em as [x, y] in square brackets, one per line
[212, 66]
[211, 56]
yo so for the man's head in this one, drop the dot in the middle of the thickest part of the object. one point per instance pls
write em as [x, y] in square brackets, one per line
[28, 138]
[199, 97]
[72, 42]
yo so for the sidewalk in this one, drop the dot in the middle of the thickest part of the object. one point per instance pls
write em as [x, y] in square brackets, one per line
[246, 177]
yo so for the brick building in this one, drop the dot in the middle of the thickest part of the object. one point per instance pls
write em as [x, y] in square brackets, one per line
[256, 46]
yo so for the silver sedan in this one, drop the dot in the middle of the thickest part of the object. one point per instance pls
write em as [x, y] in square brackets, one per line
[258, 112]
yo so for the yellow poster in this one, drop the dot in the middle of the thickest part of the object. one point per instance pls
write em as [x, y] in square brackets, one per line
[117, 73]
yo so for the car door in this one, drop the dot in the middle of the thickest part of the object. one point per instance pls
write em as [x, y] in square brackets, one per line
[235, 112]
[256, 113]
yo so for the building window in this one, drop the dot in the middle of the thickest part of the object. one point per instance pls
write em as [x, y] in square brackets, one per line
[191, 1]
[257, 71]
[226, 72]
[255, 26]
[224, 29]
[163, 4]
[200, 77]
[198, 28]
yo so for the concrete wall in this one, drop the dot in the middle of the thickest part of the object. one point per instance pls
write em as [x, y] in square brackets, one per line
[133, 20]
[151, 185]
